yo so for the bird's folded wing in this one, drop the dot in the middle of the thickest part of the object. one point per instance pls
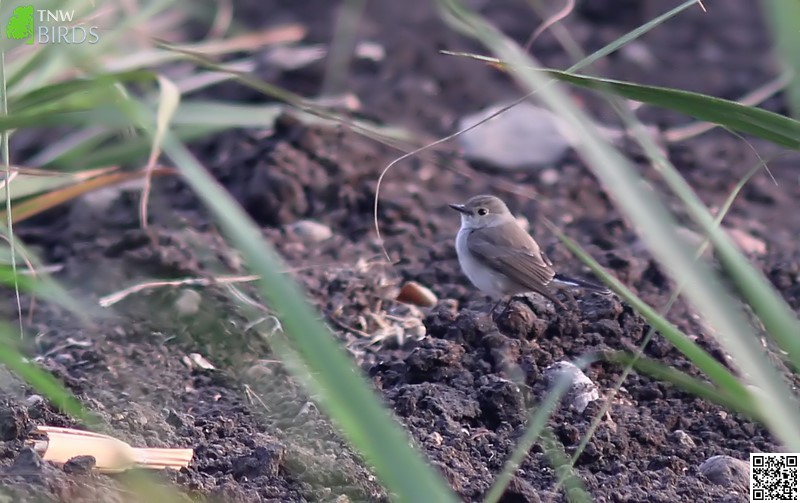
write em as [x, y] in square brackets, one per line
[528, 269]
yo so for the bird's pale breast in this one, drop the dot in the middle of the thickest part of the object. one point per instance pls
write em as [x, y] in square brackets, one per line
[484, 278]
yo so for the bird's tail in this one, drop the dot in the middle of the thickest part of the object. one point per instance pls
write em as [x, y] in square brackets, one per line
[567, 281]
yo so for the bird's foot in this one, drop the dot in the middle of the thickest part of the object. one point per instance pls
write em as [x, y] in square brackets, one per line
[573, 302]
[493, 312]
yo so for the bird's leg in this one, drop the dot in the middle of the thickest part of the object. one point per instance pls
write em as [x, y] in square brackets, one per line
[526, 298]
[494, 308]
[571, 298]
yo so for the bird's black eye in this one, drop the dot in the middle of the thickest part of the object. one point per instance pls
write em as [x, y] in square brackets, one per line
[482, 211]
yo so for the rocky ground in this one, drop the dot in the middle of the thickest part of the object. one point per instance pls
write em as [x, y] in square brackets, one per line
[459, 379]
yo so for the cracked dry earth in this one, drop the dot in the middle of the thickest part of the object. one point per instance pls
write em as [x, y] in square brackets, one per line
[462, 381]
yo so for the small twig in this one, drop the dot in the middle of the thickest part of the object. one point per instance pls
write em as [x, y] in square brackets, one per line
[111, 299]
[555, 18]
[347, 327]
[222, 20]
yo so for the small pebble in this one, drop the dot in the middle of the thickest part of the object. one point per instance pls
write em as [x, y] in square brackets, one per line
[188, 302]
[80, 464]
[34, 400]
[416, 294]
[582, 390]
[372, 51]
[436, 439]
[549, 176]
[290, 58]
[311, 231]
[748, 243]
[196, 360]
[682, 438]
[638, 53]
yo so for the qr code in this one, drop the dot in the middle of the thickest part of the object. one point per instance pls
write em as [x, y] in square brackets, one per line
[773, 477]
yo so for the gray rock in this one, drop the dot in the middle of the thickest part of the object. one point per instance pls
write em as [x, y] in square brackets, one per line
[310, 231]
[682, 438]
[727, 471]
[188, 302]
[523, 137]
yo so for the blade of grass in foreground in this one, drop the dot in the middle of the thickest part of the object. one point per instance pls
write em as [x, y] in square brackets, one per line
[44, 383]
[347, 396]
[783, 17]
[758, 122]
[740, 402]
[682, 380]
[537, 422]
[703, 288]
[772, 310]
[770, 126]
[715, 371]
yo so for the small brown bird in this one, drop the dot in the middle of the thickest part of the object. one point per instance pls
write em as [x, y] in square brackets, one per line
[500, 258]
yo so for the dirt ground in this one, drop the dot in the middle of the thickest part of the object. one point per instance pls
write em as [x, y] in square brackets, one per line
[257, 435]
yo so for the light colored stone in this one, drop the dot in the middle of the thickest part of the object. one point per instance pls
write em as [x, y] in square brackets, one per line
[311, 231]
[199, 361]
[292, 57]
[523, 137]
[748, 243]
[370, 50]
[582, 391]
[682, 438]
[188, 302]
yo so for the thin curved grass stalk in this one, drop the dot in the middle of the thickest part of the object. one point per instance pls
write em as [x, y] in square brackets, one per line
[4, 138]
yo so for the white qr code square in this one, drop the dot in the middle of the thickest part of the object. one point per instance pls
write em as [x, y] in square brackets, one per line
[773, 477]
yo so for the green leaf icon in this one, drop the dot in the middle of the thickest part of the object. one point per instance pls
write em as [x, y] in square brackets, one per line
[20, 26]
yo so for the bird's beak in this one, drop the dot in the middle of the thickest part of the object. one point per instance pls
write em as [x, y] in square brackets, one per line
[459, 208]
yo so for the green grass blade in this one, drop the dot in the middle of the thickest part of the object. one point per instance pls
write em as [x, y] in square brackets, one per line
[533, 430]
[227, 115]
[44, 383]
[55, 94]
[690, 384]
[751, 120]
[132, 150]
[351, 402]
[783, 17]
[715, 371]
[631, 36]
[770, 307]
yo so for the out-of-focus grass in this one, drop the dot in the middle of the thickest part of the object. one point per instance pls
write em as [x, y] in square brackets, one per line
[783, 17]
[770, 126]
[44, 383]
[678, 378]
[344, 393]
